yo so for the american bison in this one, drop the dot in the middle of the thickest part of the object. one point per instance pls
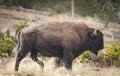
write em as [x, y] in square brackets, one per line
[64, 40]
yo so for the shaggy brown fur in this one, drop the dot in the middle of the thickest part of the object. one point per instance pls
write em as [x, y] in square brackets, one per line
[65, 40]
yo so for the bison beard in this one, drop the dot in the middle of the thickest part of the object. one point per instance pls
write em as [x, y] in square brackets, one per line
[64, 40]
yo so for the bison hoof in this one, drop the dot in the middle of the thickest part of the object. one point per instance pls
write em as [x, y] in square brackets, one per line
[42, 65]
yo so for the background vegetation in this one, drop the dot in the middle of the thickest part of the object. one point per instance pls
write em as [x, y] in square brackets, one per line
[107, 10]
[7, 43]
[20, 26]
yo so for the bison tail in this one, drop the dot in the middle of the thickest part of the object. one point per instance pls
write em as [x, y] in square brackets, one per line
[18, 39]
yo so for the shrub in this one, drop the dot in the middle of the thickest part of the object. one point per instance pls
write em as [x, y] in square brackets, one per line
[111, 57]
[87, 57]
[103, 59]
[20, 26]
[113, 54]
[6, 45]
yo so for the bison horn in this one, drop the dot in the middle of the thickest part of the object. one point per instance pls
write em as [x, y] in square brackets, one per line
[95, 32]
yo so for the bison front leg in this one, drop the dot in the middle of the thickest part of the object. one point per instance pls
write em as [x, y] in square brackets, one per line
[34, 55]
[68, 59]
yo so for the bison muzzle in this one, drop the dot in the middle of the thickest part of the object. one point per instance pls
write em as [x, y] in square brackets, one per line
[64, 40]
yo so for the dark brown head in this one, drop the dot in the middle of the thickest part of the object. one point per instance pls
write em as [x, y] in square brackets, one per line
[95, 40]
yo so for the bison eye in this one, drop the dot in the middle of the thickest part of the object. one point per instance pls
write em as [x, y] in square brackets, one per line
[91, 35]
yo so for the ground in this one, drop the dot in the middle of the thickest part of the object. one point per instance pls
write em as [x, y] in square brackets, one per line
[30, 68]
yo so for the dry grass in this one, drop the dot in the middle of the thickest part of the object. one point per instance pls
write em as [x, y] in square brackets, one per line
[30, 68]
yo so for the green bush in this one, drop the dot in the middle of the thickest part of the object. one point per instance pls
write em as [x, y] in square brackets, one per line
[87, 57]
[6, 45]
[112, 57]
[103, 59]
[20, 26]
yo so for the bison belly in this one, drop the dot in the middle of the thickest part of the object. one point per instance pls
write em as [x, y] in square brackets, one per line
[49, 47]
[50, 51]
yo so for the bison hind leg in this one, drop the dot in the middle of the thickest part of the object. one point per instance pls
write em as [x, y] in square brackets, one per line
[21, 54]
[58, 62]
[34, 57]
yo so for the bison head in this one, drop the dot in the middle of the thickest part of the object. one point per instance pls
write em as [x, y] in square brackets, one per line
[95, 40]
